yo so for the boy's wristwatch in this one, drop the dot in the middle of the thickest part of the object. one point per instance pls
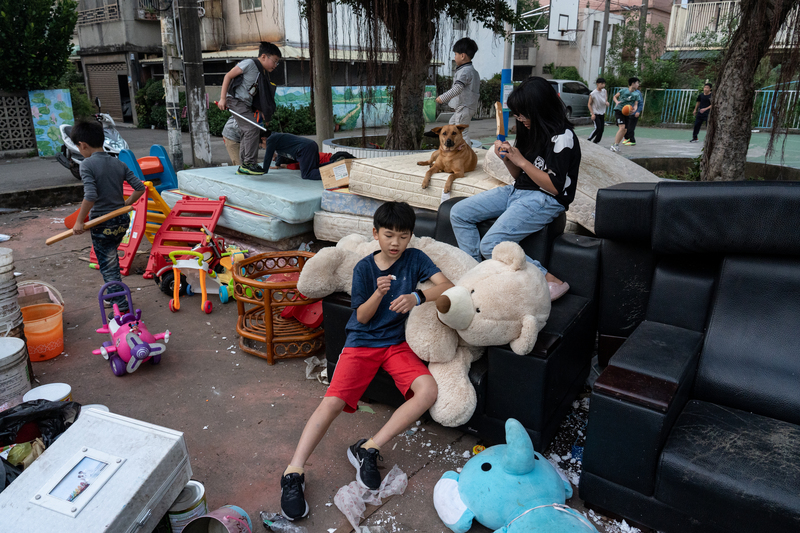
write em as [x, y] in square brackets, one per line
[421, 295]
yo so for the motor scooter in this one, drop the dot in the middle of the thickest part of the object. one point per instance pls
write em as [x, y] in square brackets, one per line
[71, 158]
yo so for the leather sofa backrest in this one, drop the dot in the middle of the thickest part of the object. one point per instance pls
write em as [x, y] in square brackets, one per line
[751, 354]
[737, 217]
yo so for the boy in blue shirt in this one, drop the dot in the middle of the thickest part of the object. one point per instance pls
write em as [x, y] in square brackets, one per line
[621, 99]
[384, 291]
[633, 120]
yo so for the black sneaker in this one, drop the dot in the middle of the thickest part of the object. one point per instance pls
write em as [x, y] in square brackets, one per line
[366, 464]
[251, 169]
[293, 502]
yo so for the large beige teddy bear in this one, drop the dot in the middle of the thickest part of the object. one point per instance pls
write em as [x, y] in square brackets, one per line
[504, 300]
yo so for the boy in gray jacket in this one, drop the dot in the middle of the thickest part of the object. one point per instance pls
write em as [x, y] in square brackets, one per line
[464, 95]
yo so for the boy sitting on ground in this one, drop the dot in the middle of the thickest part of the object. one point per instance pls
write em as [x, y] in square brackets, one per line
[465, 93]
[102, 177]
[384, 291]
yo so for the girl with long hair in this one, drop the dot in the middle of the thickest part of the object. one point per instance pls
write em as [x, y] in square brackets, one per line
[544, 163]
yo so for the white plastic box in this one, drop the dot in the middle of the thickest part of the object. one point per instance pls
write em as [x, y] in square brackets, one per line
[106, 473]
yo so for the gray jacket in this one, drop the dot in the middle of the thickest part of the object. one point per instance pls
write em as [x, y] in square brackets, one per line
[466, 88]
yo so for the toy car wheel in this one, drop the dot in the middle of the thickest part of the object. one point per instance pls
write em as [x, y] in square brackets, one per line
[167, 281]
[189, 290]
[117, 365]
[172, 306]
[223, 294]
[155, 359]
[207, 307]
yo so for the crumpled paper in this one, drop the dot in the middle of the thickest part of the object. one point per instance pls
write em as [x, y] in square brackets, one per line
[352, 499]
[311, 367]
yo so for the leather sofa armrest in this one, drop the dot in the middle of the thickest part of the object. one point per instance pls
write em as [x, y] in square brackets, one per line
[576, 260]
[635, 402]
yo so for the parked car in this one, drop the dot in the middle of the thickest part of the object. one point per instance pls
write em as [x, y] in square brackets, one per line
[575, 96]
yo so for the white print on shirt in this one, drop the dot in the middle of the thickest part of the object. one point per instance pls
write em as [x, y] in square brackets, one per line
[539, 163]
[565, 140]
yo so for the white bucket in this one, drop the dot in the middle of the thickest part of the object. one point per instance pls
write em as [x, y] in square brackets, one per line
[6, 276]
[14, 378]
[190, 504]
[97, 406]
[6, 257]
[55, 392]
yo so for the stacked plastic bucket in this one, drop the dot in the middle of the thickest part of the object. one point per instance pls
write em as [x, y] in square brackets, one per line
[10, 313]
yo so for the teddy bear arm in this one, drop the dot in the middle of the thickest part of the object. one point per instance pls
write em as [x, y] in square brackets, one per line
[431, 340]
[523, 344]
[456, 401]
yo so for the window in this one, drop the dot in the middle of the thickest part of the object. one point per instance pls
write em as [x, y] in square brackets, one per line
[521, 52]
[596, 33]
[574, 87]
[249, 5]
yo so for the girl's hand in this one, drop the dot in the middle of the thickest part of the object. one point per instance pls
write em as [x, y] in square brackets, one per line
[403, 304]
[515, 156]
[498, 148]
[384, 284]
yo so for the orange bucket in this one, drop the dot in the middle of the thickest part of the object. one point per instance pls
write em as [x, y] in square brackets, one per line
[44, 329]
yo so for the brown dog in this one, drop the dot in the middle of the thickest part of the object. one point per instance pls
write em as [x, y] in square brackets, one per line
[453, 156]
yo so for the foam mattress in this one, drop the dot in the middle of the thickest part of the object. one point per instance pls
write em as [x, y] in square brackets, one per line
[334, 226]
[281, 193]
[342, 201]
[264, 227]
[399, 178]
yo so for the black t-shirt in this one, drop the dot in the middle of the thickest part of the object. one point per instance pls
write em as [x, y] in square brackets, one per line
[705, 101]
[561, 160]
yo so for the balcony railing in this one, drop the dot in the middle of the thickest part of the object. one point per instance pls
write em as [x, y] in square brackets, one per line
[107, 13]
[705, 25]
[147, 10]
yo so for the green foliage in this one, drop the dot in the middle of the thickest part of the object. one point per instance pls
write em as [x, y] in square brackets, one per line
[564, 73]
[146, 99]
[296, 120]
[216, 120]
[654, 72]
[490, 91]
[36, 38]
[73, 80]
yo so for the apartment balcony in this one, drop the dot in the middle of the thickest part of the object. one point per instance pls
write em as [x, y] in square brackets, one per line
[705, 26]
[108, 11]
[148, 10]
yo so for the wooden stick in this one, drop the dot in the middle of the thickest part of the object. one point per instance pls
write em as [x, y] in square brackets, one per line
[498, 115]
[92, 223]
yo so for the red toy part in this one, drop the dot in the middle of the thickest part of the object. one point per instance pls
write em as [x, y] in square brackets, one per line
[309, 315]
[135, 233]
[150, 165]
[183, 229]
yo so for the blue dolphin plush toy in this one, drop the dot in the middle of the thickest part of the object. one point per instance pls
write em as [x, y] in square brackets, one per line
[509, 488]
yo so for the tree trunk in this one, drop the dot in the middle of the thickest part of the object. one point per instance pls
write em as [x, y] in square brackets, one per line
[320, 68]
[411, 28]
[728, 133]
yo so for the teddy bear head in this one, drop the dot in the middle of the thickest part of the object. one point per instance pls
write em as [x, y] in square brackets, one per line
[504, 300]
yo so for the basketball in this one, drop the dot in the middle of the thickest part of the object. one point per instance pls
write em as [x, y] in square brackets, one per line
[626, 110]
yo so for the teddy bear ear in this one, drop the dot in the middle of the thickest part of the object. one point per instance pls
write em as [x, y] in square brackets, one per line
[509, 253]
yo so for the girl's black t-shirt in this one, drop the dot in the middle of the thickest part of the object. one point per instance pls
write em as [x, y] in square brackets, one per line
[561, 160]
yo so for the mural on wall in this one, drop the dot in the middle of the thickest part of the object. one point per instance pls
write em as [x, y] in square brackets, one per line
[349, 111]
[50, 109]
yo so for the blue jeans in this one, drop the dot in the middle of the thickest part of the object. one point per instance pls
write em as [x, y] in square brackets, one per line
[519, 213]
[106, 238]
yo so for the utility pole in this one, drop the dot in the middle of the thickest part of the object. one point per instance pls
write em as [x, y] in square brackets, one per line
[605, 38]
[172, 79]
[195, 86]
[321, 68]
[506, 85]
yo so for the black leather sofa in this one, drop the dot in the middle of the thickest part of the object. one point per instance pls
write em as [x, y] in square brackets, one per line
[536, 389]
[694, 425]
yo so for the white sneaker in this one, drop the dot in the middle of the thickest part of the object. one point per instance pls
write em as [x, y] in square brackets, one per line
[614, 148]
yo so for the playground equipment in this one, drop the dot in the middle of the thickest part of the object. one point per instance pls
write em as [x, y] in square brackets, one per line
[131, 343]
[156, 166]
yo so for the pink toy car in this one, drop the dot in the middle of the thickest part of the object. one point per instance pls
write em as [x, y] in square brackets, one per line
[131, 344]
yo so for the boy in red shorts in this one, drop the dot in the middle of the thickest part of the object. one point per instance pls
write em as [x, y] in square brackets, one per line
[383, 293]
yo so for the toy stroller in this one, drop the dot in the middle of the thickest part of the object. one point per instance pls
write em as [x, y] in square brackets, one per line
[131, 343]
[203, 270]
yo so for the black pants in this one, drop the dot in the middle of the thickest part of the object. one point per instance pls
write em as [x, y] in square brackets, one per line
[599, 126]
[308, 157]
[106, 238]
[698, 121]
[632, 121]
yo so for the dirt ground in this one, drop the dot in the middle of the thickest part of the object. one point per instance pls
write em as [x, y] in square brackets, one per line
[240, 416]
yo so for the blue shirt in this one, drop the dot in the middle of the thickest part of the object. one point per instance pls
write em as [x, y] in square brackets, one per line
[385, 328]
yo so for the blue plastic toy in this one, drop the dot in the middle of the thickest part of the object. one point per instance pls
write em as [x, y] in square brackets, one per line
[157, 166]
[508, 488]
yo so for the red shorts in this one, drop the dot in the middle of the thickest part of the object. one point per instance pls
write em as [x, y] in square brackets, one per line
[357, 367]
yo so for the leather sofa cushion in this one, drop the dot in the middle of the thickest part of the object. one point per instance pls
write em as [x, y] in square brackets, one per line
[623, 212]
[726, 217]
[750, 357]
[734, 469]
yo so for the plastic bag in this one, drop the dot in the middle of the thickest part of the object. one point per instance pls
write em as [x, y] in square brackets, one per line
[8, 473]
[311, 365]
[276, 522]
[352, 499]
[51, 418]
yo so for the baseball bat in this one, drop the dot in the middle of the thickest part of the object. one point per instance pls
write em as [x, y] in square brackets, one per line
[245, 118]
[92, 223]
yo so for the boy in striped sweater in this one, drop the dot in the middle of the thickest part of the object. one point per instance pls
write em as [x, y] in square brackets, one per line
[463, 97]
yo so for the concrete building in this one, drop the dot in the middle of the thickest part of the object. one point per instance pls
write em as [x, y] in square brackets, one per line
[583, 51]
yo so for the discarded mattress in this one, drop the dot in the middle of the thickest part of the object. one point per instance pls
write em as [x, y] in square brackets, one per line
[343, 201]
[281, 193]
[264, 227]
[399, 178]
[334, 226]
